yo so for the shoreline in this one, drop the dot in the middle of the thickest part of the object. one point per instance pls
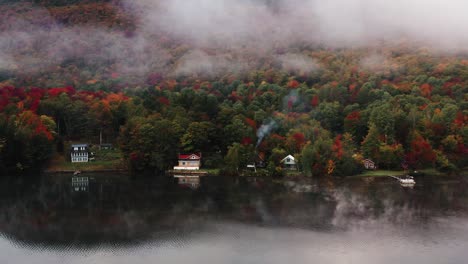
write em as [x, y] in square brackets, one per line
[85, 171]
[367, 174]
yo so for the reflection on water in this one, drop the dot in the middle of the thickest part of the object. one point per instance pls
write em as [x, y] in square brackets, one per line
[80, 184]
[189, 181]
[113, 219]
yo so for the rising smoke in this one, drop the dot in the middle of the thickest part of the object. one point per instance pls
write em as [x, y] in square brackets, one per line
[265, 130]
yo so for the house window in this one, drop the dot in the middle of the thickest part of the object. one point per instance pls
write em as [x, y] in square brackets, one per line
[288, 160]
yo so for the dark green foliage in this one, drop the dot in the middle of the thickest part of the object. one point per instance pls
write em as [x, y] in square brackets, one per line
[150, 144]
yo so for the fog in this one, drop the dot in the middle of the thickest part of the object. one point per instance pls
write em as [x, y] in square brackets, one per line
[233, 243]
[337, 23]
[241, 32]
[252, 221]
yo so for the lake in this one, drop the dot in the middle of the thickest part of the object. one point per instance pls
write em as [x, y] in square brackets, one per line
[113, 219]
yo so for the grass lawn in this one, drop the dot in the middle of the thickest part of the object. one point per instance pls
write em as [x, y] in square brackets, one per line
[433, 172]
[380, 173]
[105, 160]
[293, 173]
[212, 172]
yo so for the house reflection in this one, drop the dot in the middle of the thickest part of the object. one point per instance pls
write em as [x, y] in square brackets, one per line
[189, 181]
[110, 208]
[80, 184]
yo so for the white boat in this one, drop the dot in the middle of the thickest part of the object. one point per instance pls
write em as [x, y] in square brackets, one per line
[407, 181]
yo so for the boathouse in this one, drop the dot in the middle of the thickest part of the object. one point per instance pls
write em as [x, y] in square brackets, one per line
[189, 162]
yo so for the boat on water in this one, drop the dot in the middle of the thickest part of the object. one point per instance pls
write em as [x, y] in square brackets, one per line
[407, 181]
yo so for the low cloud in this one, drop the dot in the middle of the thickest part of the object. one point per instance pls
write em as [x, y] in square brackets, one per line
[246, 34]
[378, 63]
[298, 63]
[337, 23]
[201, 64]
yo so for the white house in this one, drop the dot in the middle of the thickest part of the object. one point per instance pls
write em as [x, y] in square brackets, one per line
[79, 153]
[289, 163]
[189, 162]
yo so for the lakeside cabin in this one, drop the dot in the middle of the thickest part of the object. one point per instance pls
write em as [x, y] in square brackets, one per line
[289, 163]
[369, 164]
[79, 153]
[189, 162]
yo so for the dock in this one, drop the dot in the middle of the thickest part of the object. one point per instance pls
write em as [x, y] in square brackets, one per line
[187, 173]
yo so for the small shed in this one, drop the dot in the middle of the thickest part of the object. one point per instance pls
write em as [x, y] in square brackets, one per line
[289, 162]
[369, 164]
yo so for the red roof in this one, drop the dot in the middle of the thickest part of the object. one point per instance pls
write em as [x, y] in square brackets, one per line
[192, 156]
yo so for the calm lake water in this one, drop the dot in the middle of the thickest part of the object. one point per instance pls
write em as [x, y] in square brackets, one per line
[112, 219]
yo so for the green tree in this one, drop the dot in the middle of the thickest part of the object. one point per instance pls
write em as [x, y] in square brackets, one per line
[238, 157]
[150, 144]
[315, 157]
[330, 116]
[371, 144]
[391, 156]
[200, 136]
[383, 119]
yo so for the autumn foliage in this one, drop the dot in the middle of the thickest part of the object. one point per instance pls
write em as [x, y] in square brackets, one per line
[410, 109]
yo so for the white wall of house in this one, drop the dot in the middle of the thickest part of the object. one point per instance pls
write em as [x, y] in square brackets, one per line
[79, 157]
[289, 160]
[188, 162]
[79, 153]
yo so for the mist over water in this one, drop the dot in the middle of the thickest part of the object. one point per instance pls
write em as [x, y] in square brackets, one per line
[234, 221]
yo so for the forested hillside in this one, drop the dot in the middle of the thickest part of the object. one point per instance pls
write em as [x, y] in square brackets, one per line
[71, 70]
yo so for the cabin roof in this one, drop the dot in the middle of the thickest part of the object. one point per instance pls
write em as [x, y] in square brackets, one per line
[191, 156]
[289, 156]
[79, 145]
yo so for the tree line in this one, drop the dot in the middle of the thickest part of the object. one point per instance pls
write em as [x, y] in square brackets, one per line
[330, 128]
